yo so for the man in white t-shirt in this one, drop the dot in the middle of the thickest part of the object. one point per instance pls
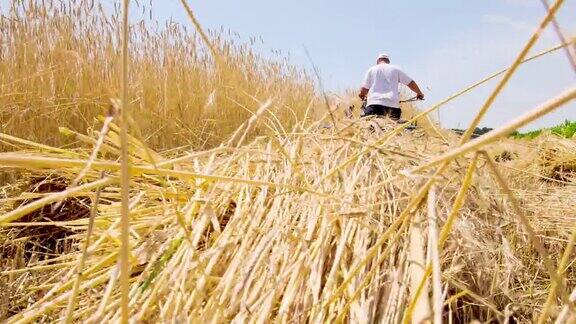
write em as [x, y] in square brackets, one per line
[380, 88]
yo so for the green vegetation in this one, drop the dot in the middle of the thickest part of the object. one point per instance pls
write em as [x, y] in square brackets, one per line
[478, 131]
[566, 129]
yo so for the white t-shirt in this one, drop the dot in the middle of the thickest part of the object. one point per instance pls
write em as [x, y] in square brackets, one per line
[382, 81]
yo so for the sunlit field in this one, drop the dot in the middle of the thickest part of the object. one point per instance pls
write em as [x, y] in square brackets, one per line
[178, 176]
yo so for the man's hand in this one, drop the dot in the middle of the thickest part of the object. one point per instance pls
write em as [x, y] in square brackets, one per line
[414, 87]
[363, 93]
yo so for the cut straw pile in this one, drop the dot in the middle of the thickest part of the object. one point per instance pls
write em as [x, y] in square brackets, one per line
[288, 217]
[317, 224]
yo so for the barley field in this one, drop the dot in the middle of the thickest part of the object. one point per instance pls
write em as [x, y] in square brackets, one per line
[171, 174]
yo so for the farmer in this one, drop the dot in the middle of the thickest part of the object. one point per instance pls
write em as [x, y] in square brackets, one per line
[381, 87]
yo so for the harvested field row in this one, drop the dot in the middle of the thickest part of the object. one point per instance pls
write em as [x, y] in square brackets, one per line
[266, 230]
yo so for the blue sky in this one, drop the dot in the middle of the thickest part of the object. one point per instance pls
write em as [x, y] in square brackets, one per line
[444, 45]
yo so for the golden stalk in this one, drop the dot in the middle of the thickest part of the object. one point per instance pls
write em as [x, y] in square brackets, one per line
[82, 260]
[504, 81]
[433, 249]
[125, 174]
[570, 55]
[200, 30]
[422, 310]
[37, 162]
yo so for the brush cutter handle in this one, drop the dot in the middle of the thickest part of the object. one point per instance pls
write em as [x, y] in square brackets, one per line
[416, 98]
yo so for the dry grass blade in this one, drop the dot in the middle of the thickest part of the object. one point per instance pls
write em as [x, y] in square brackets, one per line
[80, 266]
[125, 174]
[523, 53]
[200, 30]
[422, 310]
[433, 247]
[570, 55]
[566, 316]
[321, 85]
[241, 133]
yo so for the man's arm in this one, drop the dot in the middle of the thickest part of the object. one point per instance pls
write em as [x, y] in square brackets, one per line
[414, 87]
[363, 93]
[406, 80]
[366, 84]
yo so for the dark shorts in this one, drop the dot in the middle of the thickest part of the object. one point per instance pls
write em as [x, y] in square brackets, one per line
[378, 110]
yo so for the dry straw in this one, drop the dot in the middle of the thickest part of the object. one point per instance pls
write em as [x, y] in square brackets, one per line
[62, 70]
[284, 219]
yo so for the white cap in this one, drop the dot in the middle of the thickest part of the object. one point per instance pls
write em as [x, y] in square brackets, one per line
[383, 56]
